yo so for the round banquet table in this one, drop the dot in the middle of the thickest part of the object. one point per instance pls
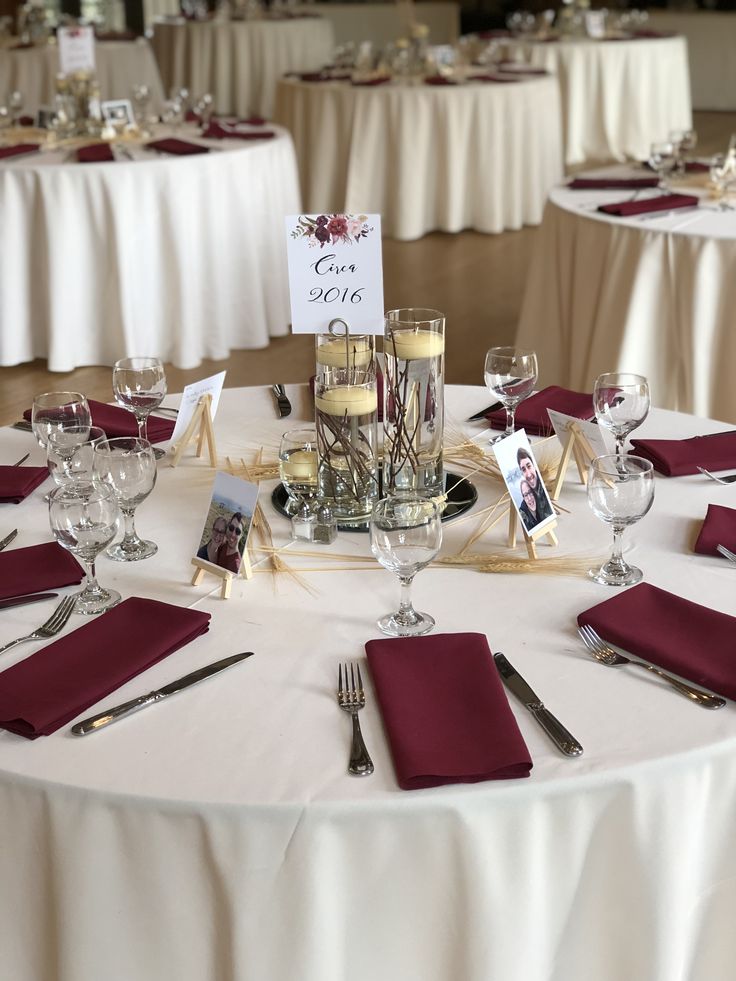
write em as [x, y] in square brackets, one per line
[178, 257]
[119, 66]
[480, 155]
[218, 835]
[239, 62]
[650, 294]
[618, 96]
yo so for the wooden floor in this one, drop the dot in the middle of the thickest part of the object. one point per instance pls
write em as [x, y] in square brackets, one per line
[476, 280]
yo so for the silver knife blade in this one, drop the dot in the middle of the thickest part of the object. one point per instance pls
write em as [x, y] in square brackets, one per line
[8, 539]
[283, 402]
[559, 735]
[484, 412]
[6, 604]
[23, 424]
[104, 718]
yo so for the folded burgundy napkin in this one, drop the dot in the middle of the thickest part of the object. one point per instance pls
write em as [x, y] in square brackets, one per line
[531, 414]
[489, 35]
[315, 76]
[180, 148]
[718, 528]
[16, 483]
[18, 149]
[21, 46]
[521, 69]
[119, 422]
[495, 78]
[438, 80]
[611, 183]
[371, 82]
[115, 35]
[36, 568]
[47, 689]
[445, 710]
[664, 202]
[379, 392]
[671, 632]
[648, 33]
[216, 131]
[95, 153]
[678, 457]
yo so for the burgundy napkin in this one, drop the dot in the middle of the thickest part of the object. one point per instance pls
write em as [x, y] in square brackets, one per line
[379, 392]
[675, 634]
[664, 202]
[37, 568]
[489, 35]
[317, 76]
[372, 82]
[718, 528]
[119, 422]
[438, 80]
[19, 148]
[115, 35]
[445, 710]
[215, 131]
[531, 414]
[678, 457]
[495, 78]
[47, 689]
[611, 183]
[95, 153]
[180, 148]
[26, 121]
[16, 483]
[21, 46]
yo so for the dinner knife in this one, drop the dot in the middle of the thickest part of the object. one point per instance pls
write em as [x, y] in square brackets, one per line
[8, 539]
[484, 412]
[22, 600]
[559, 735]
[103, 719]
[283, 403]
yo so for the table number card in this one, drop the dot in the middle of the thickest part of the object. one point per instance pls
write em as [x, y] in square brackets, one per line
[335, 270]
[76, 49]
[190, 400]
[599, 440]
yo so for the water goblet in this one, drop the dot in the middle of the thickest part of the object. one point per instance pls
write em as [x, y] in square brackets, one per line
[510, 374]
[204, 108]
[139, 385]
[663, 161]
[75, 465]
[15, 105]
[685, 141]
[620, 492]
[405, 535]
[83, 518]
[621, 401]
[128, 466]
[65, 415]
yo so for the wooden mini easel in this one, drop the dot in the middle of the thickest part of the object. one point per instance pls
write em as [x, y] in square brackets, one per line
[530, 537]
[202, 417]
[202, 567]
[576, 445]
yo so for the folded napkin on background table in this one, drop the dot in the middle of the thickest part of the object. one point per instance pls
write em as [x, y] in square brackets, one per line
[16, 483]
[438, 80]
[611, 183]
[18, 149]
[37, 568]
[119, 422]
[495, 78]
[517, 68]
[370, 82]
[49, 688]
[675, 634]
[320, 76]
[664, 202]
[115, 35]
[219, 131]
[718, 528]
[95, 153]
[445, 710]
[180, 148]
[679, 457]
[531, 414]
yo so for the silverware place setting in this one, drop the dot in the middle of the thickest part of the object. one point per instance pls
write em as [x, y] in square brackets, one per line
[351, 699]
[726, 553]
[54, 625]
[22, 460]
[8, 539]
[728, 479]
[282, 401]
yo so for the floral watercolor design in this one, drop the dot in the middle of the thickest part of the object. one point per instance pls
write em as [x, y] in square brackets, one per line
[332, 229]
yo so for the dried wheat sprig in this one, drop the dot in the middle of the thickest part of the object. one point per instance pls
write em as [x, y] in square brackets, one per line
[558, 565]
[488, 522]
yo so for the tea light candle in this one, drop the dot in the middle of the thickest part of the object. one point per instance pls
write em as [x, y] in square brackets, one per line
[300, 465]
[350, 400]
[332, 353]
[411, 345]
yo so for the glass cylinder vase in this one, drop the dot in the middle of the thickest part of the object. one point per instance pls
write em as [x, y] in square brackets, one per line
[414, 410]
[346, 413]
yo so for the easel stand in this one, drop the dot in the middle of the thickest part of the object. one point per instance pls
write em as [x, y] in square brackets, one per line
[576, 445]
[199, 428]
[530, 537]
[202, 567]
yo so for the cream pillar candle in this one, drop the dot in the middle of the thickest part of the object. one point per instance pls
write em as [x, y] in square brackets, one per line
[350, 400]
[411, 345]
[331, 353]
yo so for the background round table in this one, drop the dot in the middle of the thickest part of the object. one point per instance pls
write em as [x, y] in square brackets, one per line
[218, 833]
[481, 155]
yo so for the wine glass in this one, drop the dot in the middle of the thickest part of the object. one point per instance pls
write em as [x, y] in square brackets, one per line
[510, 375]
[77, 463]
[15, 105]
[663, 161]
[127, 464]
[83, 518]
[621, 402]
[620, 492]
[139, 385]
[406, 534]
[141, 98]
[298, 467]
[685, 141]
[65, 415]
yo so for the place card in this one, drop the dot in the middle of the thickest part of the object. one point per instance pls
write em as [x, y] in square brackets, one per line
[191, 398]
[335, 271]
[599, 440]
[76, 49]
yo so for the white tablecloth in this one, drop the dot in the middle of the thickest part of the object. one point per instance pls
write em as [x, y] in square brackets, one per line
[119, 66]
[385, 22]
[652, 295]
[617, 96]
[479, 156]
[218, 835]
[180, 257]
[239, 62]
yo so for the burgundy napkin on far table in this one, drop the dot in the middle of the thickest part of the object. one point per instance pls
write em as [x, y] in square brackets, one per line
[16, 483]
[217, 131]
[438, 80]
[371, 82]
[675, 634]
[37, 568]
[180, 148]
[531, 414]
[445, 710]
[119, 422]
[520, 68]
[495, 78]
[678, 457]
[718, 528]
[95, 153]
[18, 149]
[663, 202]
[611, 183]
[52, 686]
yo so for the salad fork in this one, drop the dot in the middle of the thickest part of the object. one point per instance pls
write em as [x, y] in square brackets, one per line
[606, 655]
[54, 625]
[719, 480]
[351, 699]
[726, 553]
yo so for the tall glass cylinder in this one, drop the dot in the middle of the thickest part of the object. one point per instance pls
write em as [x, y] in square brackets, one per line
[414, 410]
[346, 413]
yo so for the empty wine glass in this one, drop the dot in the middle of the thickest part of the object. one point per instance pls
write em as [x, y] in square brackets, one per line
[204, 108]
[298, 467]
[62, 414]
[141, 98]
[406, 534]
[83, 518]
[685, 141]
[139, 384]
[621, 402]
[15, 105]
[76, 463]
[620, 492]
[510, 375]
[128, 466]
[663, 161]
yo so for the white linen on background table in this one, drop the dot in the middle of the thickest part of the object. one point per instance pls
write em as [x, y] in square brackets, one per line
[652, 295]
[711, 41]
[219, 836]
[179, 257]
[480, 155]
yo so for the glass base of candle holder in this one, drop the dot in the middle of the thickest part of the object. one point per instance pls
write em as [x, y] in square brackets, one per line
[396, 625]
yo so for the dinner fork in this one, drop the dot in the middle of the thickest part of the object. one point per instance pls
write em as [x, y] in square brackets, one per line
[22, 460]
[55, 623]
[606, 655]
[726, 553]
[719, 480]
[352, 700]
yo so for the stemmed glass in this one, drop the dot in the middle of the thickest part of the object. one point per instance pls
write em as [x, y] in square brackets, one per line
[298, 467]
[685, 141]
[510, 375]
[663, 161]
[406, 534]
[83, 518]
[620, 492]
[139, 385]
[128, 466]
[15, 105]
[621, 402]
[76, 464]
[61, 420]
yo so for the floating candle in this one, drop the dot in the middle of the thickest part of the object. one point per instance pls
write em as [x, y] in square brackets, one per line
[411, 345]
[332, 353]
[300, 465]
[350, 400]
